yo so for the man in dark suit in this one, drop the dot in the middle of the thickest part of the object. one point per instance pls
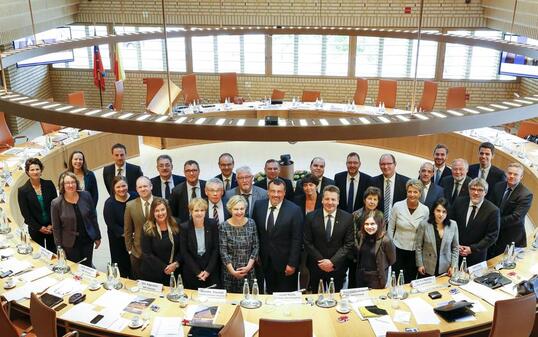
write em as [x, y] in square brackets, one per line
[391, 182]
[317, 168]
[165, 181]
[492, 174]
[352, 184]
[183, 193]
[280, 232]
[440, 155]
[247, 189]
[514, 201]
[431, 191]
[216, 203]
[272, 171]
[478, 222]
[227, 175]
[328, 238]
[121, 168]
[456, 185]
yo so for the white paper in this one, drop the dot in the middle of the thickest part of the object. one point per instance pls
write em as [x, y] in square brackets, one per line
[82, 312]
[534, 269]
[110, 316]
[35, 274]
[31, 287]
[293, 297]
[167, 326]
[401, 316]
[422, 311]
[477, 306]
[381, 325]
[115, 300]
[119, 325]
[67, 287]
[355, 306]
[250, 328]
[14, 265]
[510, 289]
[7, 252]
[478, 268]
[487, 294]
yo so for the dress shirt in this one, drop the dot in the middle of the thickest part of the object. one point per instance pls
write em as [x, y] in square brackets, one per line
[143, 202]
[333, 220]
[424, 192]
[470, 209]
[163, 185]
[458, 184]
[123, 170]
[220, 211]
[275, 212]
[189, 190]
[355, 186]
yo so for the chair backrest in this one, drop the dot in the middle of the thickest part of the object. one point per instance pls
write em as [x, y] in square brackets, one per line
[6, 327]
[235, 326]
[76, 98]
[42, 317]
[387, 93]
[279, 328]
[310, 95]
[429, 333]
[119, 91]
[228, 86]
[6, 138]
[189, 88]
[278, 94]
[361, 91]
[455, 98]
[514, 317]
[153, 85]
[49, 127]
[527, 128]
[429, 96]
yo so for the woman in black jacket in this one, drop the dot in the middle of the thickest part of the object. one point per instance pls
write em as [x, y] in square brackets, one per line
[86, 178]
[35, 198]
[199, 245]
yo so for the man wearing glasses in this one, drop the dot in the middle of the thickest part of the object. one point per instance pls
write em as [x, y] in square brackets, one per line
[246, 188]
[165, 181]
[183, 193]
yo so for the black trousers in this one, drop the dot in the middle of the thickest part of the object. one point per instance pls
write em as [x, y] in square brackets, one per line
[136, 272]
[119, 254]
[80, 251]
[44, 240]
[405, 260]
[276, 280]
[317, 274]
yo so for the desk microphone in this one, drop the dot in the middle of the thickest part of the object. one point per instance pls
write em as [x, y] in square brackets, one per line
[84, 259]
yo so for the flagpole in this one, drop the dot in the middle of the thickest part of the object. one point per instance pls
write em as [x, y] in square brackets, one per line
[170, 112]
[101, 76]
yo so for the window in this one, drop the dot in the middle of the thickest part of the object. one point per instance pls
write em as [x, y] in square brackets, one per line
[473, 63]
[283, 54]
[203, 54]
[83, 57]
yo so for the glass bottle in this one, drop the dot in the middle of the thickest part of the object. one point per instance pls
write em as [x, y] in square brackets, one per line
[246, 290]
[321, 288]
[117, 276]
[464, 272]
[173, 285]
[255, 290]
[180, 287]
[401, 282]
[331, 289]
[393, 285]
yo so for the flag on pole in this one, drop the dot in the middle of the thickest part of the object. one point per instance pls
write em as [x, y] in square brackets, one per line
[98, 69]
[118, 67]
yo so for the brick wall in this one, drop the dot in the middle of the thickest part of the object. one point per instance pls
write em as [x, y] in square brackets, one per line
[528, 86]
[255, 87]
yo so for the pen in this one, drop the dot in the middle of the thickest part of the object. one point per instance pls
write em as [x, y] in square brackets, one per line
[146, 323]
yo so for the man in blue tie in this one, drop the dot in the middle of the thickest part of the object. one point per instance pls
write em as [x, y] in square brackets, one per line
[441, 170]
[352, 184]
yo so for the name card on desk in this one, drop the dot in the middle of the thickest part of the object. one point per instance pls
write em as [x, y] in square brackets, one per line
[150, 286]
[292, 297]
[46, 254]
[478, 269]
[86, 271]
[355, 292]
[426, 282]
[212, 294]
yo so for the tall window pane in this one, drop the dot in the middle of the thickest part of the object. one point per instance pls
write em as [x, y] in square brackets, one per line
[254, 54]
[283, 54]
[176, 54]
[337, 55]
[367, 59]
[229, 53]
[203, 54]
[395, 52]
[309, 56]
[128, 50]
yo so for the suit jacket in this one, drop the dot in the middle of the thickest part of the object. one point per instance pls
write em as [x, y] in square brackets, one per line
[289, 187]
[64, 220]
[90, 185]
[179, 200]
[513, 214]
[157, 188]
[193, 263]
[340, 180]
[434, 193]
[257, 194]
[156, 256]
[300, 200]
[227, 214]
[426, 247]
[448, 184]
[282, 245]
[324, 182]
[233, 181]
[399, 189]
[447, 172]
[495, 176]
[482, 231]
[339, 245]
[132, 173]
[133, 226]
[30, 207]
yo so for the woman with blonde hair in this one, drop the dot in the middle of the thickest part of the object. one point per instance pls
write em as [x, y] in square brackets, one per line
[160, 244]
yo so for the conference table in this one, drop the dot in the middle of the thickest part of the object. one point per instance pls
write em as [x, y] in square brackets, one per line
[326, 321]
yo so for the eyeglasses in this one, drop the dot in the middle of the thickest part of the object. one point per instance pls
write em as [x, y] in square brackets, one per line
[244, 177]
[475, 189]
[191, 171]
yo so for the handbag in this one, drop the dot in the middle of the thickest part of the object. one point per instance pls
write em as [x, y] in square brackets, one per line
[529, 286]
[454, 310]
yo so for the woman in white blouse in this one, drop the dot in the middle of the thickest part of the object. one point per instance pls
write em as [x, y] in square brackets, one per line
[405, 218]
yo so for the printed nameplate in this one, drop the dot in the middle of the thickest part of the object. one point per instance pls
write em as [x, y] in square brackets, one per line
[46, 254]
[423, 282]
[86, 271]
[212, 294]
[150, 286]
[292, 297]
[478, 269]
[354, 292]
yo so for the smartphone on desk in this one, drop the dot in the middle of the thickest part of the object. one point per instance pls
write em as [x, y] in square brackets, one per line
[96, 319]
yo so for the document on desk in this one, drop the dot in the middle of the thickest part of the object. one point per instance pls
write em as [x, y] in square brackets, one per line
[35, 274]
[422, 311]
[381, 325]
[114, 299]
[82, 312]
[167, 327]
[67, 287]
[14, 265]
[250, 328]
[31, 287]
[477, 306]
[7, 252]
[487, 294]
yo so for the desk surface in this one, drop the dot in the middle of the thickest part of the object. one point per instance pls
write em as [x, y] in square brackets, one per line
[324, 320]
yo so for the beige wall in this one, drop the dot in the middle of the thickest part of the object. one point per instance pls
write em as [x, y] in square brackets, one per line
[499, 15]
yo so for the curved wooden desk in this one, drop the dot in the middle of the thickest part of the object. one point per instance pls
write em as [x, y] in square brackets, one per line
[324, 320]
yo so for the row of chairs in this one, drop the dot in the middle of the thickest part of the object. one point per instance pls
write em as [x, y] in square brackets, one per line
[514, 318]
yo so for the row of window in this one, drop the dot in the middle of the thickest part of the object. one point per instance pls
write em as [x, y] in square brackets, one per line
[318, 55]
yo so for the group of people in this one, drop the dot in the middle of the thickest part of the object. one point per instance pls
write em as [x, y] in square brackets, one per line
[230, 227]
